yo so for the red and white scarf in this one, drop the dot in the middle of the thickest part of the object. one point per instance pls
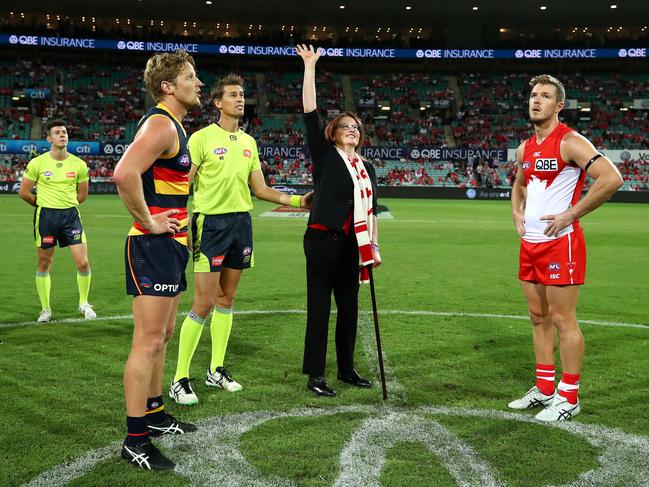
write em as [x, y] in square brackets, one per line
[363, 211]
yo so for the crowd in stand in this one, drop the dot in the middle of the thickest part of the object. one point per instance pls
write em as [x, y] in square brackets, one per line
[103, 102]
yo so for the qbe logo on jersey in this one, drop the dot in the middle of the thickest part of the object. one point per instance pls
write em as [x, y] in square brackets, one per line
[546, 165]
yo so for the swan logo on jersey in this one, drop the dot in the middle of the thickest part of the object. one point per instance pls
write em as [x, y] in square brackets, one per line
[546, 165]
[184, 160]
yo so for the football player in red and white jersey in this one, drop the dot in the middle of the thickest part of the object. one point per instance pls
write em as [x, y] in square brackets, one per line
[546, 207]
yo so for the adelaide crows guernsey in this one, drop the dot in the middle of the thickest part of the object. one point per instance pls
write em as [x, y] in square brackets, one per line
[166, 182]
[553, 185]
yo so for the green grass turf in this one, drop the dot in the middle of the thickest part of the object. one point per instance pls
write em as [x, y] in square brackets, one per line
[62, 381]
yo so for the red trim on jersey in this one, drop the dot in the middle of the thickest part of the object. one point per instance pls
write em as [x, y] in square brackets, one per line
[169, 175]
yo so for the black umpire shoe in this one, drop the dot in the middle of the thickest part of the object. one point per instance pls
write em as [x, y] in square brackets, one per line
[146, 456]
[320, 387]
[170, 426]
[354, 379]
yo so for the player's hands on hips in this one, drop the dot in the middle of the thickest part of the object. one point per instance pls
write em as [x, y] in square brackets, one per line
[164, 223]
[309, 55]
[306, 199]
[556, 223]
[519, 222]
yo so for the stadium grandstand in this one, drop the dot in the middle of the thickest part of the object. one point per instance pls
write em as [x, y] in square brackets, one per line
[442, 89]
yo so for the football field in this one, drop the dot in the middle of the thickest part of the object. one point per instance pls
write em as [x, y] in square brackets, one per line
[456, 341]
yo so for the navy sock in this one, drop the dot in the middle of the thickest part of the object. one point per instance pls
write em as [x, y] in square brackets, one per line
[138, 432]
[155, 410]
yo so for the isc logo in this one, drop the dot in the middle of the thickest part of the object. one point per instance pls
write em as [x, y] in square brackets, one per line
[555, 276]
[546, 165]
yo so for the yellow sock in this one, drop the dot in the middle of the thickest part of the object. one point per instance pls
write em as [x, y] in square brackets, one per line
[83, 281]
[43, 285]
[190, 334]
[220, 331]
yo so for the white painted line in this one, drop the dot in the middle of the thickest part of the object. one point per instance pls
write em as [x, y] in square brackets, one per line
[212, 455]
[613, 324]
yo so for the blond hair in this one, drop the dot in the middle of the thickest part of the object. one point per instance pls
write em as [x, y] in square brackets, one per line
[547, 79]
[164, 67]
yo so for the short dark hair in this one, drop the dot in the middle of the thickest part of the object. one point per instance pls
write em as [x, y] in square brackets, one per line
[547, 79]
[219, 89]
[57, 122]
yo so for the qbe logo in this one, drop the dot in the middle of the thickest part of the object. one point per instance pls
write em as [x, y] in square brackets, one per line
[622, 53]
[223, 49]
[121, 45]
[518, 54]
[419, 53]
[24, 40]
[546, 165]
[633, 52]
[414, 154]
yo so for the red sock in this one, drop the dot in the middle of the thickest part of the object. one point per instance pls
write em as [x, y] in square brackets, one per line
[545, 378]
[569, 387]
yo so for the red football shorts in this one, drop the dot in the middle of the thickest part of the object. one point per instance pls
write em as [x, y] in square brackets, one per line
[559, 262]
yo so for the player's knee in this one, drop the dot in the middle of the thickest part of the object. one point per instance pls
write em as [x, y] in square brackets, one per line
[538, 317]
[203, 305]
[562, 321]
[224, 300]
[83, 265]
[44, 264]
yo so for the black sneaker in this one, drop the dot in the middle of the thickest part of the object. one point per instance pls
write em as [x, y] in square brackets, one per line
[146, 456]
[170, 426]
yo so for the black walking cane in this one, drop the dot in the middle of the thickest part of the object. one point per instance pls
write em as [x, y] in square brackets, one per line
[377, 333]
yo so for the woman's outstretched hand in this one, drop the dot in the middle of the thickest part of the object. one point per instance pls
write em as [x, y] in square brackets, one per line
[308, 54]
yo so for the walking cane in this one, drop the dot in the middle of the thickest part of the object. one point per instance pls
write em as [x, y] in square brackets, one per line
[377, 333]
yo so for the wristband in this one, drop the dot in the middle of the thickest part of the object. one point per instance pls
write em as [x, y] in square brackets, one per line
[295, 201]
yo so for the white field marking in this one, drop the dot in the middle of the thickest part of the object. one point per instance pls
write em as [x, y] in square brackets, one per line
[363, 458]
[624, 457]
[394, 387]
[212, 455]
[614, 324]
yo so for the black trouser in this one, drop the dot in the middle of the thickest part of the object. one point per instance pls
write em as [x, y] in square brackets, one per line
[331, 264]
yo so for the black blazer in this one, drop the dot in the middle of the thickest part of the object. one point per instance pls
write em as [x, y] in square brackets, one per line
[334, 190]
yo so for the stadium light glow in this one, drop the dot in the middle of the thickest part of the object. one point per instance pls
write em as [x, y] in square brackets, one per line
[475, 8]
[385, 108]
[543, 7]
[208, 2]
[584, 109]
[341, 7]
[408, 7]
[613, 6]
[624, 109]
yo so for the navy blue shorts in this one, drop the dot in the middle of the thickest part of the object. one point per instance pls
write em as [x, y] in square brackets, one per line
[55, 225]
[155, 265]
[222, 240]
